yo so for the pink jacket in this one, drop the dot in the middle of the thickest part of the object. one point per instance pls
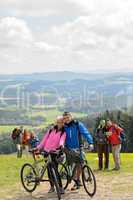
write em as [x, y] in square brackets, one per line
[52, 141]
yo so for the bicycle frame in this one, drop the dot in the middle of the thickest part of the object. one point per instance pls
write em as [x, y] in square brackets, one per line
[44, 167]
[71, 168]
[86, 174]
[32, 174]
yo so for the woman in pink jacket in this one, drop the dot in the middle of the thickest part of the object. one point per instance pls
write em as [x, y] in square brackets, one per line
[53, 140]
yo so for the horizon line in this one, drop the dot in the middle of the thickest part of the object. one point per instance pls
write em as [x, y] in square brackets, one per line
[65, 71]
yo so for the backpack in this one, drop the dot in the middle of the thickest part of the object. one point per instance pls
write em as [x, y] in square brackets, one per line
[34, 142]
[100, 136]
[122, 137]
[25, 137]
[15, 134]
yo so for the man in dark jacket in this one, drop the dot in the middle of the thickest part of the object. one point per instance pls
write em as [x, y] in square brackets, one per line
[102, 145]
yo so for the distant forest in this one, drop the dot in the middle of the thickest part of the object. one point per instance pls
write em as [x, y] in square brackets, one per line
[123, 119]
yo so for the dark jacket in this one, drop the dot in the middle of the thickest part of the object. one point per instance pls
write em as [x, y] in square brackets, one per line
[100, 136]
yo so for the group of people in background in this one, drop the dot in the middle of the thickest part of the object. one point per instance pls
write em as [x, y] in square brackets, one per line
[67, 132]
[108, 133]
[24, 140]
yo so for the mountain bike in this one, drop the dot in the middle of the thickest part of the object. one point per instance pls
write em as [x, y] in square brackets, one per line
[33, 174]
[67, 172]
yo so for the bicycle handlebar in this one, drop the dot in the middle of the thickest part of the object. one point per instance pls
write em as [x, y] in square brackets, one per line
[34, 150]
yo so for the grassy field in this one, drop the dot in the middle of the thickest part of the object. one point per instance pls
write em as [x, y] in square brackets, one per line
[10, 168]
[110, 185]
[8, 129]
[50, 116]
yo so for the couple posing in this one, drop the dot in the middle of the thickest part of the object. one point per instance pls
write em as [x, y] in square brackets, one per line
[65, 133]
[109, 133]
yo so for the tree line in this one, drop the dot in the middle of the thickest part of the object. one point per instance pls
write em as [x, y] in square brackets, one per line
[123, 119]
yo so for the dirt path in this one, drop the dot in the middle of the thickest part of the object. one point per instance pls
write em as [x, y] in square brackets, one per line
[109, 187]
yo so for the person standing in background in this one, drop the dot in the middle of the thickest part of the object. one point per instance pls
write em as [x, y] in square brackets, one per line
[102, 145]
[16, 136]
[114, 137]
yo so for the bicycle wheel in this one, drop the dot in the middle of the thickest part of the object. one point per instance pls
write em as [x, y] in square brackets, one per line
[55, 181]
[89, 181]
[64, 175]
[28, 177]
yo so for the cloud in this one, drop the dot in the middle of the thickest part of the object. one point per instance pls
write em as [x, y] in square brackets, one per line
[21, 50]
[37, 8]
[43, 46]
[103, 7]
[95, 34]
[14, 32]
[82, 34]
[107, 31]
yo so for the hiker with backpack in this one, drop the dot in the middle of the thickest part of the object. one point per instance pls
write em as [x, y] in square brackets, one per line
[54, 139]
[17, 139]
[102, 145]
[114, 135]
[74, 132]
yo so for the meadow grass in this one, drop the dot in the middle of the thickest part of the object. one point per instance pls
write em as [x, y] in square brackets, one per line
[9, 128]
[6, 129]
[126, 162]
[10, 167]
[10, 170]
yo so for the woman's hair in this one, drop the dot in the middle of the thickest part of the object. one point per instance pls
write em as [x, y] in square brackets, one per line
[56, 128]
[60, 117]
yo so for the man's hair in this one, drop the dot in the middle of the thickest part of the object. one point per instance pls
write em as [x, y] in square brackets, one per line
[66, 113]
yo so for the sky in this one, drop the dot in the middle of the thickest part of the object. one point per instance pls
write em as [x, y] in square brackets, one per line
[66, 35]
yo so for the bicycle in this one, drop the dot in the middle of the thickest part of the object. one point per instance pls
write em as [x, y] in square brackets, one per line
[67, 171]
[33, 174]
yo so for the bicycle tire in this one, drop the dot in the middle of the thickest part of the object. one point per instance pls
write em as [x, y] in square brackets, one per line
[89, 178]
[64, 175]
[53, 171]
[29, 176]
